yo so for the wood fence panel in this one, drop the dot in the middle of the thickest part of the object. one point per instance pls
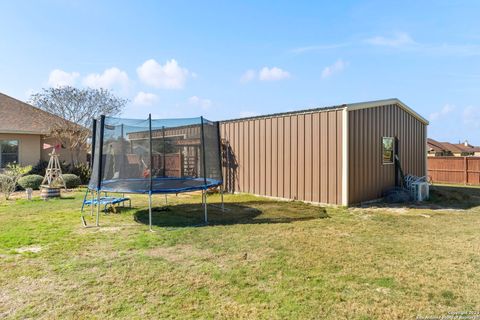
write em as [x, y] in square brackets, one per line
[455, 170]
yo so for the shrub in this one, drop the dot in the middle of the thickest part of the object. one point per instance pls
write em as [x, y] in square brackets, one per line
[39, 168]
[82, 170]
[71, 180]
[30, 181]
[7, 185]
[10, 176]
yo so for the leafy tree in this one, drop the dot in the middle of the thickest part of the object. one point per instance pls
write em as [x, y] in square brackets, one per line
[77, 106]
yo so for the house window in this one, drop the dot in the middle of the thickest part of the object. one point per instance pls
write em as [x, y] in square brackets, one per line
[388, 144]
[8, 152]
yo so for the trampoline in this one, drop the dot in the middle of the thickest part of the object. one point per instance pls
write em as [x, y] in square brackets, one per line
[154, 156]
[159, 185]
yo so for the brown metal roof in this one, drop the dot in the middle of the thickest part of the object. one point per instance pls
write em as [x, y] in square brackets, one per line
[19, 117]
[349, 107]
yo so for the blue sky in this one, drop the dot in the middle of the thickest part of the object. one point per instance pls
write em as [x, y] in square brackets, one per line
[225, 59]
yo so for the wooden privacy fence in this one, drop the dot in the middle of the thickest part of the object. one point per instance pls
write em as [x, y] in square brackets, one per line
[456, 170]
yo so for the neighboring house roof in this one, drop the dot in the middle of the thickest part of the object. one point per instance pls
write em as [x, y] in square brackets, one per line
[466, 148]
[436, 146]
[19, 117]
[349, 107]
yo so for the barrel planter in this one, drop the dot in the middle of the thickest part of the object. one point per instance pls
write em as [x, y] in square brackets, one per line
[47, 192]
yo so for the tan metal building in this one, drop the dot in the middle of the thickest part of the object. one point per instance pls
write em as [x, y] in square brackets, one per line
[339, 155]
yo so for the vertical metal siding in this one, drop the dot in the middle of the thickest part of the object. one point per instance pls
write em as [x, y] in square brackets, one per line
[368, 176]
[316, 157]
[295, 156]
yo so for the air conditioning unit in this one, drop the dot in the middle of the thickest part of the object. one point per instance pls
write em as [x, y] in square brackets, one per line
[420, 191]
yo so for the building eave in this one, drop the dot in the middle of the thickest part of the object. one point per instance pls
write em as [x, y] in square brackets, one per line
[22, 132]
[378, 103]
[349, 107]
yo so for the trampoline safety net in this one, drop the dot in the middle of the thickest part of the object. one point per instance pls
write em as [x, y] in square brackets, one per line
[155, 155]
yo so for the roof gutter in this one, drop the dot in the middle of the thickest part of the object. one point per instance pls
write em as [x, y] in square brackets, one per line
[22, 132]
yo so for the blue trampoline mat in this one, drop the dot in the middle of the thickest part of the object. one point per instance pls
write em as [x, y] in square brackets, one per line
[159, 185]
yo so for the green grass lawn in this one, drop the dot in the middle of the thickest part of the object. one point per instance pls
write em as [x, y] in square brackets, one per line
[262, 259]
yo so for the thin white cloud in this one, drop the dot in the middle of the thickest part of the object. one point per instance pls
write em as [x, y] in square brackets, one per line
[248, 76]
[273, 74]
[145, 99]
[320, 47]
[471, 117]
[168, 76]
[448, 49]
[110, 79]
[202, 102]
[335, 68]
[60, 78]
[399, 39]
[445, 110]
[265, 74]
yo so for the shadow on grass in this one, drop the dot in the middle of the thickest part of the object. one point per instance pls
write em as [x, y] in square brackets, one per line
[254, 212]
[454, 197]
[441, 197]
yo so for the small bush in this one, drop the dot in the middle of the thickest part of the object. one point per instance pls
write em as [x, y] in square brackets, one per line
[71, 180]
[9, 179]
[30, 181]
[39, 168]
[82, 170]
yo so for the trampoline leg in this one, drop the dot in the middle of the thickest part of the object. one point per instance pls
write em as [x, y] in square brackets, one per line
[150, 211]
[98, 208]
[166, 201]
[92, 203]
[84, 223]
[221, 192]
[205, 206]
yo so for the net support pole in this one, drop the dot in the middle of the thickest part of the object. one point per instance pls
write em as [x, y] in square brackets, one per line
[151, 173]
[94, 138]
[203, 152]
[164, 162]
[220, 162]
[204, 169]
[100, 165]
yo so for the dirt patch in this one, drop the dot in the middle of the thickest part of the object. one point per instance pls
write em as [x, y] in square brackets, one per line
[27, 290]
[369, 210]
[186, 255]
[36, 193]
[109, 229]
[190, 256]
[32, 249]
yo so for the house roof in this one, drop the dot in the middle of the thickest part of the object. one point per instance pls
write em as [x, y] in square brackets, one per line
[464, 148]
[349, 107]
[436, 146]
[19, 117]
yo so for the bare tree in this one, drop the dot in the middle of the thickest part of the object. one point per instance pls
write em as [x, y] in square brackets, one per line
[78, 107]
